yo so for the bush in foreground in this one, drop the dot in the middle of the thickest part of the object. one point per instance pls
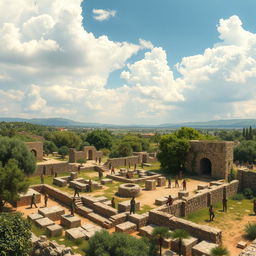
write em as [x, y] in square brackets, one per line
[250, 231]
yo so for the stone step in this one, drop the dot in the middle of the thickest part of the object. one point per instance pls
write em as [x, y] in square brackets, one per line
[104, 222]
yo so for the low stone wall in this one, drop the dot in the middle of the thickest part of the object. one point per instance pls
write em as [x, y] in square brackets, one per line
[123, 161]
[247, 179]
[202, 232]
[55, 167]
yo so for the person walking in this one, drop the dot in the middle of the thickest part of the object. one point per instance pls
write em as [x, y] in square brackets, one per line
[45, 200]
[33, 201]
[132, 206]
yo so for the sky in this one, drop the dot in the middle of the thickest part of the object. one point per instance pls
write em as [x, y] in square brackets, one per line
[128, 62]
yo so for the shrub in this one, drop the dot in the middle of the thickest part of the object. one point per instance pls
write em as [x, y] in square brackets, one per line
[238, 197]
[248, 193]
[232, 175]
[250, 231]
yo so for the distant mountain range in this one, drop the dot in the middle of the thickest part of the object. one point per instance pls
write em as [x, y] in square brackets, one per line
[61, 122]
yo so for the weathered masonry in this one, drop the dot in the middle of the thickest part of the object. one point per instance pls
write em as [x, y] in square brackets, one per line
[213, 158]
[36, 148]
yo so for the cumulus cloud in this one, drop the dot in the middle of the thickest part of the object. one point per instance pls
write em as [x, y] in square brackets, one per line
[50, 66]
[101, 14]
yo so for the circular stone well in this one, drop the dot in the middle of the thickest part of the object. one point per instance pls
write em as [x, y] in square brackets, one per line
[129, 190]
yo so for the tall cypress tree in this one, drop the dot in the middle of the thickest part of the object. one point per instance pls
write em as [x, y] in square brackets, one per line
[250, 133]
[244, 132]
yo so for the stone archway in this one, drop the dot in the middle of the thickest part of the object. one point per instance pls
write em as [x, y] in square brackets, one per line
[205, 166]
[90, 154]
[34, 153]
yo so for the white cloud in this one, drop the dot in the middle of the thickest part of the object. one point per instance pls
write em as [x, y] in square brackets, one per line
[50, 66]
[101, 14]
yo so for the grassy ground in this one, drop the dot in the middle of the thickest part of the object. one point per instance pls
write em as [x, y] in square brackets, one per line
[236, 211]
[77, 246]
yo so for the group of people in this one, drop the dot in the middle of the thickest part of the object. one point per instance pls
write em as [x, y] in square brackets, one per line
[33, 200]
[176, 184]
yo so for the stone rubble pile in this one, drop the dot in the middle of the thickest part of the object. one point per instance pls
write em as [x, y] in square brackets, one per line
[249, 250]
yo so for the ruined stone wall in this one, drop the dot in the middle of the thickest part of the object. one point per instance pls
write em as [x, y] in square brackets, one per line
[202, 232]
[247, 179]
[196, 202]
[56, 167]
[36, 148]
[220, 154]
[74, 155]
[124, 161]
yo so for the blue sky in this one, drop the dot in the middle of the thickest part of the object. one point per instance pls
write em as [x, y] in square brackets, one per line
[123, 62]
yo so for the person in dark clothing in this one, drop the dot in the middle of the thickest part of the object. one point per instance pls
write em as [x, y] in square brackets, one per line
[77, 190]
[225, 204]
[132, 206]
[33, 201]
[169, 201]
[184, 185]
[73, 207]
[113, 203]
[211, 213]
[45, 200]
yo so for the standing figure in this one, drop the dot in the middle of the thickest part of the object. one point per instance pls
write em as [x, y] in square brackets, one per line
[55, 174]
[132, 206]
[254, 206]
[100, 174]
[110, 166]
[169, 201]
[169, 183]
[73, 207]
[225, 204]
[52, 173]
[184, 184]
[112, 170]
[44, 170]
[176, 182]
[45, 200]
[113, 203]
[90, 185]
[211, 213]
[99, 160]
[77, 190]
[42, 178]
[79, 168]
[33, 201]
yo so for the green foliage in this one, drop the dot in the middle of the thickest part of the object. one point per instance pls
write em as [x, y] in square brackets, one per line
[245, 151]
[49, 147]
[159, 234]
[232, 175]
[12, 148]
[250, 231]
[180, 234]
[100, 139]
[238, 197]
[12, 182]
[63, 151]
[81, 161]
[116, 244]
[219, 251]
[248, 193]
[173, 152]
[105, 151]
[122, 150]
[15, 235]
[66, 138]
[233, 135]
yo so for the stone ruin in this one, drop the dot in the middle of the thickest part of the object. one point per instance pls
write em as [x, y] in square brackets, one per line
[129, 190]
[36, 148]
[88, 153]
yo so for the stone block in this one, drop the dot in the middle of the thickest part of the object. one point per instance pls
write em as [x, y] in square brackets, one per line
[125, 206]
[161, 181]
[44, 222]
[150, 184]
[108, 203]
[54, 230]
[147, 230]
[216, 183]
[73, 175]
[118, 218]
[75, 233]
[167, 242]
[202, 186]
[106, 181]
[69, 221]
[104, 210]
[127, 227]
[203, 249]
[60, 181]
[52, 213]
[90, 230]
[83, 211]
[139, 219]
[183, 194]
[35, 216]
[186, 247]
[241, 244]
[161, 201]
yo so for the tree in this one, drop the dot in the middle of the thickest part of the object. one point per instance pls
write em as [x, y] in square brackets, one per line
[12, 183]
[49, 147]
[219, 251]
[173, 152]
[180, 234]
[245, 151]
[116, 244]
[14, 149]
[66, 138]
[159, 234]
[100, 139]
[63, 151]
[15, 235]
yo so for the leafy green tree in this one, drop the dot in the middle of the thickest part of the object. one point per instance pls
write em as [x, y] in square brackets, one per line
[100, 139]
[12, 183]
[173, 152]
[50, 147]
[159, 234]
[189, 134]
[63, 151]
[15, 235]
[116, 244]
[245, 151]
[66, 138]
[180, 234]
[13, 148]
[219, 251]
